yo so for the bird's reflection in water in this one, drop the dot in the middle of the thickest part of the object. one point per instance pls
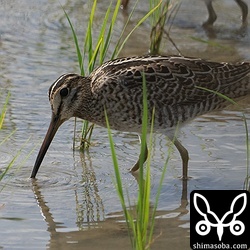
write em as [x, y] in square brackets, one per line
[89, 205]
[99, 230]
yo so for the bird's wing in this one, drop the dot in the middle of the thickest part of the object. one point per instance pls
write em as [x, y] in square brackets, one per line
[177, 79]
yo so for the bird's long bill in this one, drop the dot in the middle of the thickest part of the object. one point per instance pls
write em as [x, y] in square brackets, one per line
[53, 127]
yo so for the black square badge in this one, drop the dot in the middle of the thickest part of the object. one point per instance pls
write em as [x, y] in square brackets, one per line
[220, 219]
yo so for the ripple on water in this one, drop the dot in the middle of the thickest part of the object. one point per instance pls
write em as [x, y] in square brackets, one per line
[5, 158]
[51, 180]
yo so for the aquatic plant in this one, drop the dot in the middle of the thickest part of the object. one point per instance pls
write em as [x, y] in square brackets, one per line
[2, 116]
[4, 110]
[7, 168]
[95, 52]
[141, 222]
[161, 23]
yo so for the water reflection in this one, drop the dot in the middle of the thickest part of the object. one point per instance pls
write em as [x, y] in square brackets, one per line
[95, 232]
[89, 205]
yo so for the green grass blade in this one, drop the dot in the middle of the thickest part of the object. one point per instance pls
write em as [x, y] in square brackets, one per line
[115, 162]
[8, 167]
[119, 46]
[144, 185]
[118, 182]
[4, 110]
[94, 55]
[247, 179]
[159, 18]
[105, 42]
[149, 225]
[7, 137]
[88, 44]
[14, 159]
[109, 34]
[170, 150]
[219, 94]
[212, 43]
[79, 54]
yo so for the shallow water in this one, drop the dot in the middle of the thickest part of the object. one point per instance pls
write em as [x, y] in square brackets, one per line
[73, 204]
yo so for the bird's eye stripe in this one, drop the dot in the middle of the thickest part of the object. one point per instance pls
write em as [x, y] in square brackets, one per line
[55, 84]
[59, 82]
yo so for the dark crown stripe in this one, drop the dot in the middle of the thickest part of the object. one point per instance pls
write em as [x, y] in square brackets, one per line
[59, 82]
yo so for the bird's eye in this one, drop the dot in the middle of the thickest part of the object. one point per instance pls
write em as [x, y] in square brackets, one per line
[64, 92]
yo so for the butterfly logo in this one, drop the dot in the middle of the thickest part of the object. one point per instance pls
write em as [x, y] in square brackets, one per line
[210, 219]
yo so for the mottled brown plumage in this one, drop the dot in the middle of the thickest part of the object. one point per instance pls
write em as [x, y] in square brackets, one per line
[173, 87]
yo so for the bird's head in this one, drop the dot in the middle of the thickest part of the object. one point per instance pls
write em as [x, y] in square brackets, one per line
[65, 96]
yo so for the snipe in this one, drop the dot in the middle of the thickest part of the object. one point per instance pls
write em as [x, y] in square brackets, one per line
[173, 90]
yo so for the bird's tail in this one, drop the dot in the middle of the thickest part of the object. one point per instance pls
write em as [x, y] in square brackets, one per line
[238, 89]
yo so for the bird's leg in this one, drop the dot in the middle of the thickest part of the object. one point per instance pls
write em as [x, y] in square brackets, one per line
[244, 10]
[184, 156]
[124, 4]
[142, 154]
[211, 14]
